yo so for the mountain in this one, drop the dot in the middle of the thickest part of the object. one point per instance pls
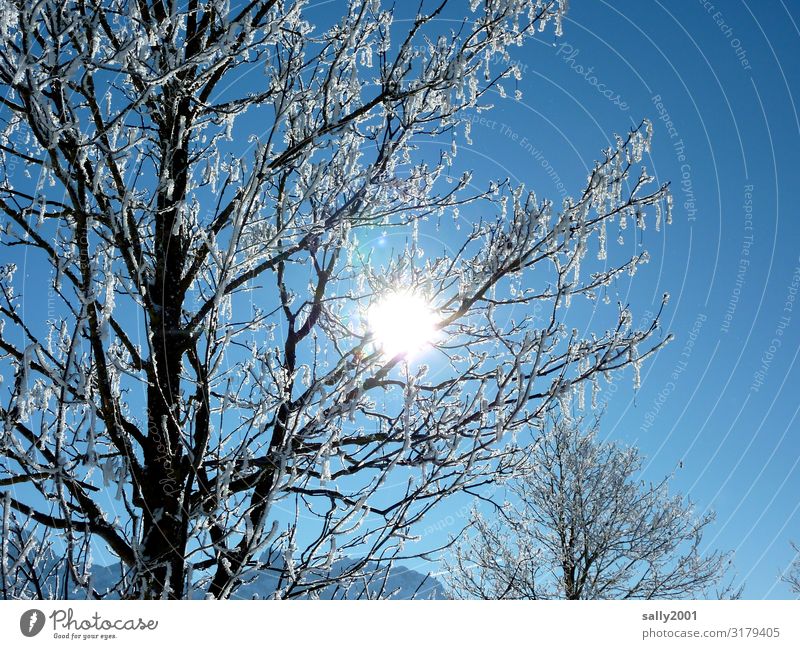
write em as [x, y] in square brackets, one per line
[402, 583]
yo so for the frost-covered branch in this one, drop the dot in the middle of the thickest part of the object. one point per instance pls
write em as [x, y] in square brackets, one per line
[792, 575]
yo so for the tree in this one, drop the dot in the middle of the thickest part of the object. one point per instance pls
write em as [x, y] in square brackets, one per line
[792, 575]
[200, 179]
[580, 525]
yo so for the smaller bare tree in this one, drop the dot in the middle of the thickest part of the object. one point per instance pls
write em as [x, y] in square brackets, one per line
[792, 575]
[581, 525]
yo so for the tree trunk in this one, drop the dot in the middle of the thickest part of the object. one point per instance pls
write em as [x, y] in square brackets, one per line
[165, 524]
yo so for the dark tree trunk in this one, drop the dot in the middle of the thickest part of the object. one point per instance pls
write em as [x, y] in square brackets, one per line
[165, 524]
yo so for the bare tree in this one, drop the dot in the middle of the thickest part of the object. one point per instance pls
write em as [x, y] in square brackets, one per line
[792, 575]
[581, 525]
[207, 399]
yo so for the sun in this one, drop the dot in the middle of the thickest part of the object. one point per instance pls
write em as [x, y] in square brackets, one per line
[402, 323]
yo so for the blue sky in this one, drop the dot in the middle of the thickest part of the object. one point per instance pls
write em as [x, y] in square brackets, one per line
[719, 85]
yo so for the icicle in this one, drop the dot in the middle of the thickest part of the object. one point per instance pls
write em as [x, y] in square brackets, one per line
[325, 474]
[410, 397]
[601, 253]
[637, 367]
[499, 420]
[595, 390]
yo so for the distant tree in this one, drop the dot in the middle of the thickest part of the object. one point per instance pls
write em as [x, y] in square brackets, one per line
[195, 186]
[581, 525]
[792, 576]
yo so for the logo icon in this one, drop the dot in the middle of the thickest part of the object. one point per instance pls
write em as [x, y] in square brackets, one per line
[31, 622]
